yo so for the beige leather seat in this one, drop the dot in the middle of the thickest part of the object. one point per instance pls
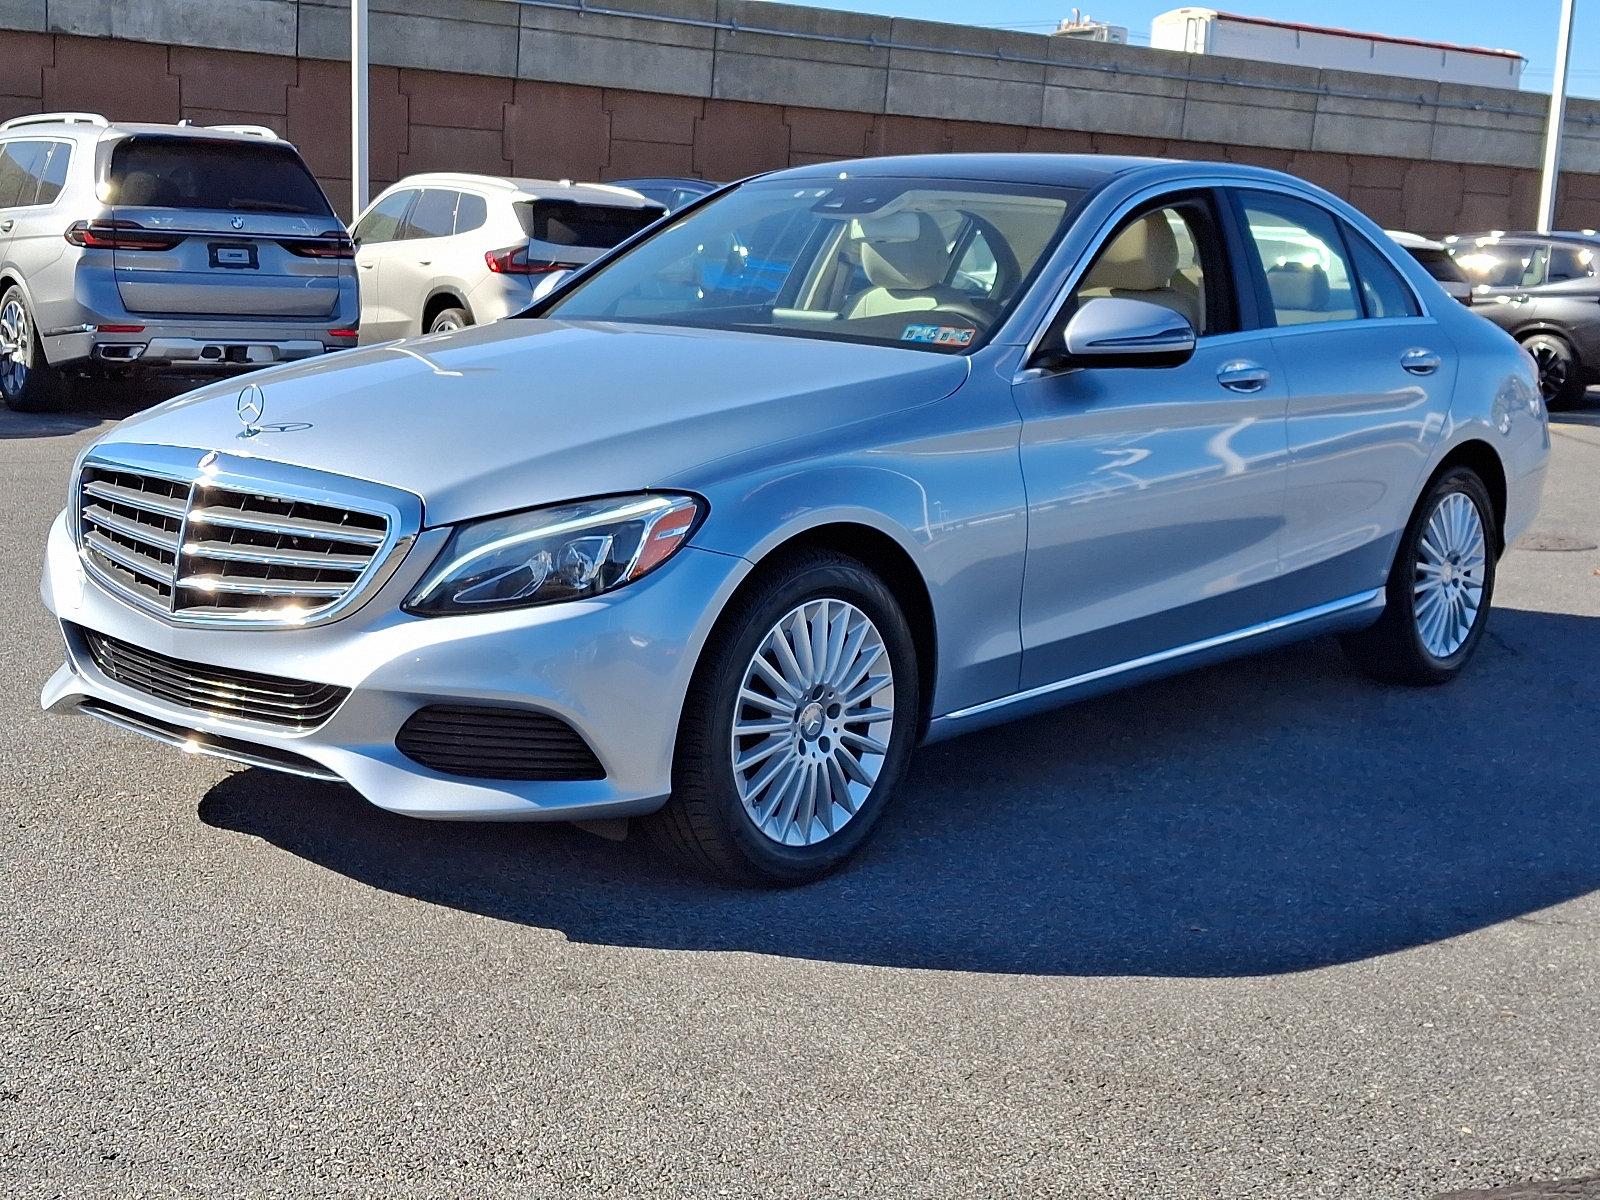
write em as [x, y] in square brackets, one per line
[906, 260]
[1300, 292]
[1141, 263]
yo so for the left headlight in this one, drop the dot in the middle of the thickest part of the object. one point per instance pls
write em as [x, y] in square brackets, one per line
[547, 555]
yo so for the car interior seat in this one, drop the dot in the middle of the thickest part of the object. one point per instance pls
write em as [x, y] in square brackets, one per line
[1141, 263]
[905, 259]
[1300, 292]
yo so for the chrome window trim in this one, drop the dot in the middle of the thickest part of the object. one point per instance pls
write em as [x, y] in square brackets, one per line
[1078, 265]
[186, 465]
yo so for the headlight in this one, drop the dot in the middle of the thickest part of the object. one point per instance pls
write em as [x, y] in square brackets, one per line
[547, 555]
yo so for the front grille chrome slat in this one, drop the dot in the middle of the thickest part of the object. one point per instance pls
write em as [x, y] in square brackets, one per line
[230, 518]
[215, 691]
[219, 540]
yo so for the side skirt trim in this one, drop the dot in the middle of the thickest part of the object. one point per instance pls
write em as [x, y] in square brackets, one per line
[1331, 609]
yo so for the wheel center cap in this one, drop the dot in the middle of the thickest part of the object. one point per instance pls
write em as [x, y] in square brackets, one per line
[1447, 572]
[810, 721]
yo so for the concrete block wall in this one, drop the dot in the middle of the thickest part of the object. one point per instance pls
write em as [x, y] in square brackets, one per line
[724, 88]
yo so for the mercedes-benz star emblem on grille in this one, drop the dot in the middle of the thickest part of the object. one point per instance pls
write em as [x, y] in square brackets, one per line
[250, 405]
[238, 222]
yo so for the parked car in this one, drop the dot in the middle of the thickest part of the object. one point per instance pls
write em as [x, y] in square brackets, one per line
[161, 248]
[443, 251]
[1436, 260]
[671, 193]
[1543, 290]
[1011, 430]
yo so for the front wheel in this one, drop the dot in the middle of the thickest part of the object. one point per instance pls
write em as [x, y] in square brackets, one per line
[797, 726]
[1440, 588]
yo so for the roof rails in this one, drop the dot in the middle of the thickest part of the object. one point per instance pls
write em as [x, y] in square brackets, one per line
[56, 118]
[259, 131]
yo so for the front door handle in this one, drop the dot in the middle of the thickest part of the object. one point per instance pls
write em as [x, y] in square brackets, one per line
[424, 262]
[1420, 362]
[1242, 375]
[365, 266]
[1520, 298]
[5, 226]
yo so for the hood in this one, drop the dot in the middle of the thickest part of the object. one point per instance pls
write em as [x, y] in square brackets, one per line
[522, 413]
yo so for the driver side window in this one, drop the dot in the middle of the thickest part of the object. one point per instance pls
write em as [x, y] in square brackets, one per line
[1169, 255]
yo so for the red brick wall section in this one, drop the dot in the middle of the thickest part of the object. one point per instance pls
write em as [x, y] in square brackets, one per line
[431, 120]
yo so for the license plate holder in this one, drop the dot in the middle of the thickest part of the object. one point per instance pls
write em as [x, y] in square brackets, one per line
[234, 256]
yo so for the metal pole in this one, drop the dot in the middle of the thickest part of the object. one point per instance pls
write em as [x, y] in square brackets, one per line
[358, 107]
[1558, 114]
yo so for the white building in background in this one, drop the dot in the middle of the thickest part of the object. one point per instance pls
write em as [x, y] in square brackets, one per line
[1085, 28]
[1207, 31]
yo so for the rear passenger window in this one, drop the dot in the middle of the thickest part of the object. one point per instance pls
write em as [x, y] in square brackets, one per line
[20, 163]
[433, 216]
[1303, 258]
[53, 175]
[1383, 291]
[1570, 262]
[471, 213]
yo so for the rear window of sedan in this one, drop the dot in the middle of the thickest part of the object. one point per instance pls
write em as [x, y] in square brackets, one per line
[192, 173]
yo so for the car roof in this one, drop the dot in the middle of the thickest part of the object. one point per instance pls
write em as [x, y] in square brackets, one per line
[1584, 237]
[1413, 241]
[523, 188]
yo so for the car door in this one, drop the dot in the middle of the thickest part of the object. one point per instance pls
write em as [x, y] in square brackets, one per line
[1370, 376]
[412, 265]
[375, 237]
[1155, 495]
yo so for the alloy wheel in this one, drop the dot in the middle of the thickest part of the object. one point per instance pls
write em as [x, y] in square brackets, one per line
[1452, 558]
[16, 347]
[1553, 370]
[812, 722]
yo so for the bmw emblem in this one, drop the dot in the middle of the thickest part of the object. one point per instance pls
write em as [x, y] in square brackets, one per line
[238, 222]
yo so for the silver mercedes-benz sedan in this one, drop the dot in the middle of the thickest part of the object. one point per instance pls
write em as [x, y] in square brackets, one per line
[841, 460]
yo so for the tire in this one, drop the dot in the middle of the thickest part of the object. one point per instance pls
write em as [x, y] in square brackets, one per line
[813, 811]
[1426, 642]
[1561, 375]
[28, 384]
[447, 320]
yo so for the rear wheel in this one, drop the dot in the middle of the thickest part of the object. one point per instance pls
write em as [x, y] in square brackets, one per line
[448, 320]
[797, 727]
[1561, 378]
[1439, 590]
[27, 381]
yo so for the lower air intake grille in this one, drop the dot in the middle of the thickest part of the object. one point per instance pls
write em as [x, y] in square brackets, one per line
[479, 742]
[215, 691]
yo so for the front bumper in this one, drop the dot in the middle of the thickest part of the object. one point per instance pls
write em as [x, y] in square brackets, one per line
[615, 668]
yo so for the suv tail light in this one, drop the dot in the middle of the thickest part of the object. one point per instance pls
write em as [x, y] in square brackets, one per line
[119, 235]
[515, 261]
[334, 243]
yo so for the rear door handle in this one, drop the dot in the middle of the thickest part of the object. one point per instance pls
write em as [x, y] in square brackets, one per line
[1242, 375]
[366, 266]
[424, 262]
[5, 226]
[1420, 362]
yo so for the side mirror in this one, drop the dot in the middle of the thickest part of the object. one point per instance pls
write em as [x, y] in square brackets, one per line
[1109, 331]
[549, 282]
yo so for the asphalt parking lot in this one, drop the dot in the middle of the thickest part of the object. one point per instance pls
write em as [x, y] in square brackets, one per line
[1263, 931]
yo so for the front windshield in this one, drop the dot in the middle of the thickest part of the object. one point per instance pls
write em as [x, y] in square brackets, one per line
[932, 264]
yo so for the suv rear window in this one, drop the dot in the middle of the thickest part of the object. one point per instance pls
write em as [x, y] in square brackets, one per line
[167, 172]
[1439, 264]
[569, 223]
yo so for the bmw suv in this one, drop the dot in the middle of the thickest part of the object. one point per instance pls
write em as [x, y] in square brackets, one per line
[161, 248]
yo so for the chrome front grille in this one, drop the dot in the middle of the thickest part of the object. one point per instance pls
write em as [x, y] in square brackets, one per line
[215, 691]
[215, 539]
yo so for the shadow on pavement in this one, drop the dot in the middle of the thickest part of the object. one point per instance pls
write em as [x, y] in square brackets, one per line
[1269, 815]
[89, 405]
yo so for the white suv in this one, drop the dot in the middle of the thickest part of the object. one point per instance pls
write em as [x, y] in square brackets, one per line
[444, 250]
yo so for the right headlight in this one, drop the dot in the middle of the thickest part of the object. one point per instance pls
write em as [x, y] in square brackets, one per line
[547, 555]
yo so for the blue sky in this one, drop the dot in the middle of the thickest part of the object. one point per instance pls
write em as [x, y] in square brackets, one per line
[1528, 27]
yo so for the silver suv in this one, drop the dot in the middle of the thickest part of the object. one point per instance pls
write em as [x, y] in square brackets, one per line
[445, 250]
[161, 248]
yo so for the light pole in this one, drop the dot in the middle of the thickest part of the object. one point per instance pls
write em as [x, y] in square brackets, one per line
[358, 107]
[1558, 113]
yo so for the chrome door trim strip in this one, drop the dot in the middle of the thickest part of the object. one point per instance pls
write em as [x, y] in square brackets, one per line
[1332, 608]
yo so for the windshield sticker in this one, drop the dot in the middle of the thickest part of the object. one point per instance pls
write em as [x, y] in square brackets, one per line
[938, 335]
